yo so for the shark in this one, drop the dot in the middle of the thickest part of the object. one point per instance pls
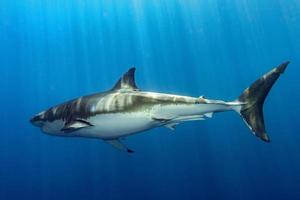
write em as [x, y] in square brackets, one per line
[126, 110]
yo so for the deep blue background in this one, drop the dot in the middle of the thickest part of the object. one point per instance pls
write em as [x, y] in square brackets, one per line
[55, 50]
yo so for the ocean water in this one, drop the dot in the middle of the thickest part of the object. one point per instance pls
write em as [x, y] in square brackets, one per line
[54, 50]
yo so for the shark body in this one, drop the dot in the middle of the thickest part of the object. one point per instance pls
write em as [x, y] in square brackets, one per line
[126, 110]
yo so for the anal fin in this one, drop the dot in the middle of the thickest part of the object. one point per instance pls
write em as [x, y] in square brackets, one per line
[171, 126]
[209, 115]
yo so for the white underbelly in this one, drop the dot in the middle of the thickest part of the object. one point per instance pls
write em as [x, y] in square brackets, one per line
[108, 126]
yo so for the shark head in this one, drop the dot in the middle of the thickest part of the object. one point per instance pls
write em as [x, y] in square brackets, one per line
[38, 120]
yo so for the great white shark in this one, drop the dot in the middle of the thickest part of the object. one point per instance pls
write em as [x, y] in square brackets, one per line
[126, 110]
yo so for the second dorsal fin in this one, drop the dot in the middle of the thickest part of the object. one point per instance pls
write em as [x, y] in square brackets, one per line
[127, 81]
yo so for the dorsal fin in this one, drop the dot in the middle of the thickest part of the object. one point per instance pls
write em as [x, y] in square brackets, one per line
[127, 81]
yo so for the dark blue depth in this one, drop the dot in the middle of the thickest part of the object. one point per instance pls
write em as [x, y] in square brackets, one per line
[55, 50]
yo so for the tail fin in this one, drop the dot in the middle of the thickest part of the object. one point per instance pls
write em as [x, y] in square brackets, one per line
[253, 98]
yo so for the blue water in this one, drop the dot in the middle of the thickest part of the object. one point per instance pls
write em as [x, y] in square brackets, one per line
[55, 50]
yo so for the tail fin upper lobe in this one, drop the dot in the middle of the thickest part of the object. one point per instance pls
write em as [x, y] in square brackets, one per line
[253, 99]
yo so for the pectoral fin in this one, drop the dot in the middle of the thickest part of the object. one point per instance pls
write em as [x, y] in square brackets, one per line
[118, 145]
[76, 125]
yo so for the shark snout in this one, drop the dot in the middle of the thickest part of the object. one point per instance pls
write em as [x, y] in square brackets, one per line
[37, 120]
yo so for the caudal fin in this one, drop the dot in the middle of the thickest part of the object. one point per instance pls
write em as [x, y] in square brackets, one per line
[253, 98]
